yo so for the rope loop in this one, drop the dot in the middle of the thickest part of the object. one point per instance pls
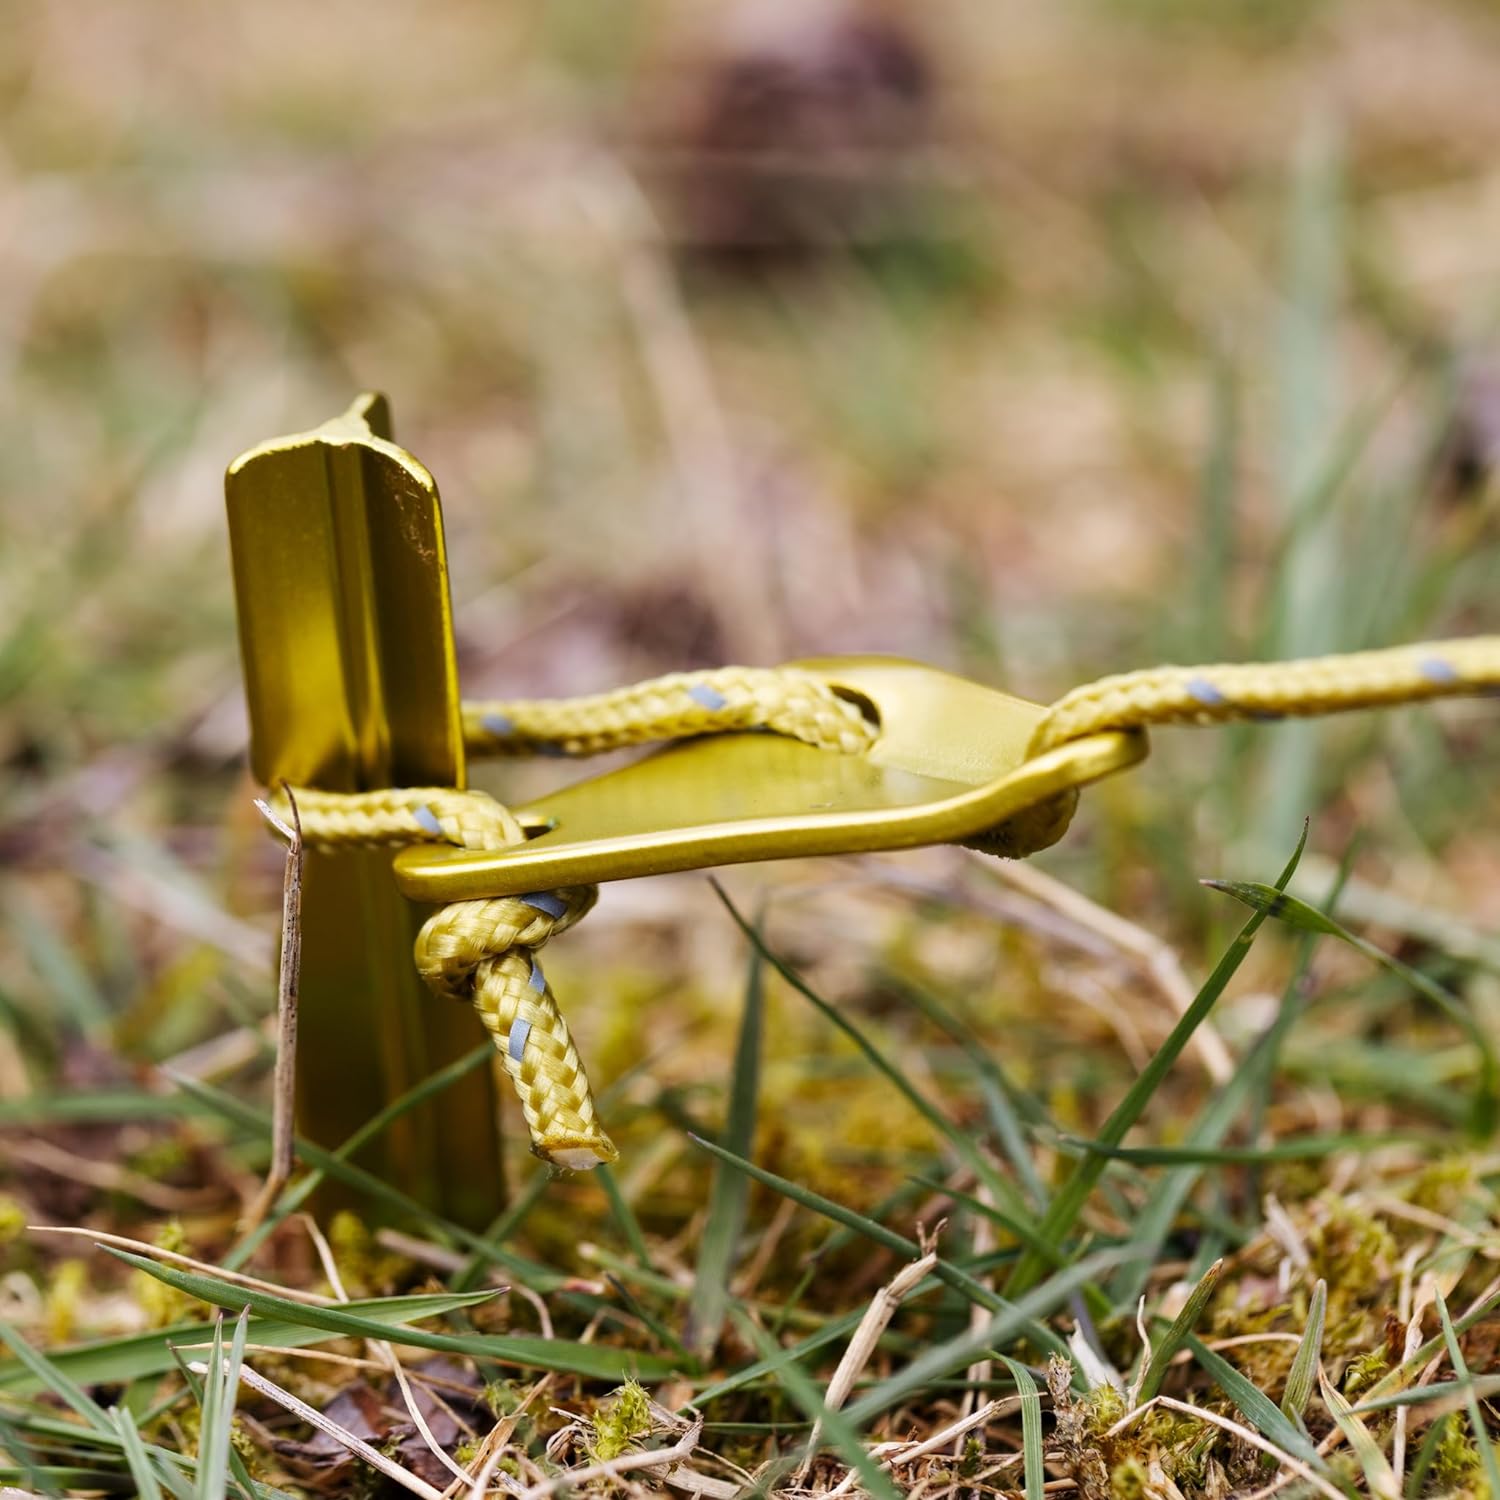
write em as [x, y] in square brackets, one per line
[485, 951]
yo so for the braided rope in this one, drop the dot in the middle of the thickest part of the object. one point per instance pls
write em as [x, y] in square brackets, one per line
[1272, 690]
[485, 951]
[782, 699]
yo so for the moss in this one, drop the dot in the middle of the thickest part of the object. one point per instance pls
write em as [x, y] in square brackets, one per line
[161, 1158]
[1190, 1462]
[365, 1269]
[973, 1456]
[163, 1304]
[1236, 1314]
[502, 1397]
[1103, 1407]
[1364, 1370]
[1455, 1464]
[12, 1219]
[250, 1453]
[618, 1423]
[1129, 1480]
[1354, 1252]
[1441, 1186]
[64, 1295]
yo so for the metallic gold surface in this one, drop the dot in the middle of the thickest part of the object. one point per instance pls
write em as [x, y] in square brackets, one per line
[948, 764]
[346, 639]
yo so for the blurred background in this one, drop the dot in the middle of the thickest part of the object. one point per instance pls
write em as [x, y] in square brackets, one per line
[1037, 341]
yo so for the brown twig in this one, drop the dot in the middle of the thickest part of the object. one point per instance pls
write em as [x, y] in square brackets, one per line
[283, 1122]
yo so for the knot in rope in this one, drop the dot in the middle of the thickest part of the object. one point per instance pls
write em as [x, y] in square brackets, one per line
[484, 951]
[456, 941]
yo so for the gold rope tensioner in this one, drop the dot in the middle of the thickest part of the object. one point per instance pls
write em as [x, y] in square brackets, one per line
[485, 949]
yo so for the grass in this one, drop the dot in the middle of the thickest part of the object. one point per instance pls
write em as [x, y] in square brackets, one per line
[1188, 389]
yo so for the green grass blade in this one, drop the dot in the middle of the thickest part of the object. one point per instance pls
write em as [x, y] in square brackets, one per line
[1310, 581]
[1218, 486]
[833, 1332]
[1482, 1439]
[1033, 1459]
[1416, 1481]
[61, 1479]
[1256, 1407]
[46, 1374]
[213, 1456]
[731, 1189]
[26, 1469]
[136, 1457]
[1176, 1336]
[1303, 1374]
[1379, 1475]
[1485, 1386]
[221, 1391]
[1023, 1234]
[996, 1089]
[1299, 1148]
[599, 1362]
[1069, 1200]
[838, 1430]
[951, 1275]
[139, 1356]
[108, 1106]
[649, 1319]
[623, 1214]
[501, 1228]
[1247, 1090]
[867, 1228]
[1275, 902]
[55, 961]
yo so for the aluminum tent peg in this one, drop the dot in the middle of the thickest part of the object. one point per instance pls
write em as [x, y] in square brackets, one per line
[347, 643]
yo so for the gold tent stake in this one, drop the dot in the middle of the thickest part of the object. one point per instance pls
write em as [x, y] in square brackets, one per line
[347, 642]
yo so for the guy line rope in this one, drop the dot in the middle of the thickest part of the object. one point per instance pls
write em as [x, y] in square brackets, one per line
[485, 950]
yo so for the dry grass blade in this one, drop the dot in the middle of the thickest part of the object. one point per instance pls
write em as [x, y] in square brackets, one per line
[1248, 1435]
[909, 1453]
[857, 1354]
[283, 1119]
[382, 1352]
[99, 1238]
[628, 1463]
[314, 1418]
[111, 1177]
